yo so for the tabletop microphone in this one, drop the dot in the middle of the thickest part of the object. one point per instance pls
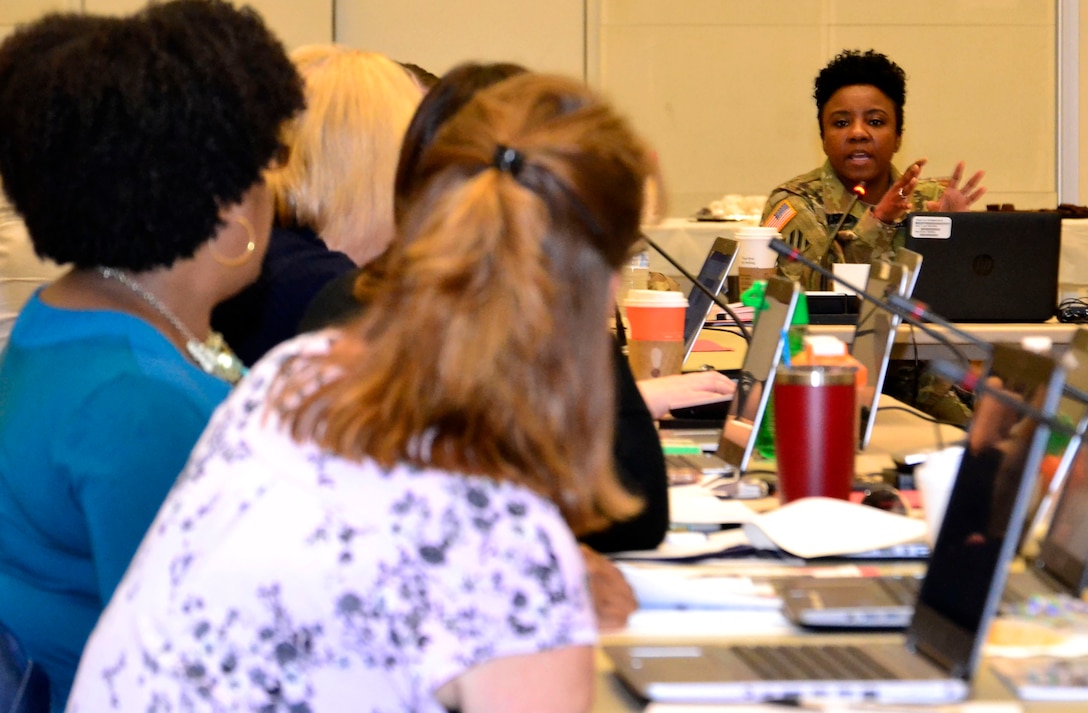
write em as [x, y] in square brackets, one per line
[858, 190]
[703, 288]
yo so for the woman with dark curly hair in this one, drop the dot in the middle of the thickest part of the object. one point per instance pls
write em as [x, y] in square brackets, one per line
[859, 108]
[134, 149]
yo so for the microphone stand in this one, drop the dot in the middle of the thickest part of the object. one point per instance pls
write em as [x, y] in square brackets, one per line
[703, 288]
[858, 190]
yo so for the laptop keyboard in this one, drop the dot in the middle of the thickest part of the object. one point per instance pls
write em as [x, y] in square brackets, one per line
[903, 590]
[815, 663]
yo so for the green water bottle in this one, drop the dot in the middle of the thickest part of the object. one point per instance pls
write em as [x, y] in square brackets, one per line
[753, 297]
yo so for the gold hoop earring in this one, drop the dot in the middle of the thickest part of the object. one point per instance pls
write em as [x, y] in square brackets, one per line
[242, 259]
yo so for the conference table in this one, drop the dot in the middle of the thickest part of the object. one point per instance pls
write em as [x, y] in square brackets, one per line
[719, 346]
[688, 242]
[897, 427]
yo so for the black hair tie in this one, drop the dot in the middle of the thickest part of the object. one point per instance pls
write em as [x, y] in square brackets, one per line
[508, 160]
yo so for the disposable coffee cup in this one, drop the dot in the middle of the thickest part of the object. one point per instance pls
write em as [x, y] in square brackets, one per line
[655, 345]
[814, 433]
[755, 259]
[934, 478]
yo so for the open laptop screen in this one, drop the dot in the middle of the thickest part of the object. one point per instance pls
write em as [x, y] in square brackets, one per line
[757, 373]
[986, 508]
[1063, 552]
[873, 337]
[712, 276]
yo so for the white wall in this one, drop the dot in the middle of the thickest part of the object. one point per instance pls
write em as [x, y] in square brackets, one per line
[723, 88]
[547, 36]
[295, 21]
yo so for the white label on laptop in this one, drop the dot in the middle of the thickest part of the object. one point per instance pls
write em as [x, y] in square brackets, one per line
[933, 226]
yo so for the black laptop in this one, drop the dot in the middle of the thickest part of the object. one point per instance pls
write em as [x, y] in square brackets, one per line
[988, 266]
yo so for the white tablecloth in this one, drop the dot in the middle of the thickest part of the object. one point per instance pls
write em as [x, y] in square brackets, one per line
[1073, 268]
[688, 241]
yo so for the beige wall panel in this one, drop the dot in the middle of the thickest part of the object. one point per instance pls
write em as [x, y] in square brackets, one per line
[112, 7]
[940, 13]
[700, 96]
[729, 105]
[16, 11]
[1082, 152]
[13, 12]
[296, 22]
[713, 12]
[981, 94]
[546, 35]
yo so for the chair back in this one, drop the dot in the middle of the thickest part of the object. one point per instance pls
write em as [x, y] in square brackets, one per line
[24, 687]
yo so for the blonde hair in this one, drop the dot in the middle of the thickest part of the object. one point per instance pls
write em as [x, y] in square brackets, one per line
[338, 178]
[484, 351]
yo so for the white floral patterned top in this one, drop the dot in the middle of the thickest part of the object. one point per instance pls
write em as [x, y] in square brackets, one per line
[278, 577]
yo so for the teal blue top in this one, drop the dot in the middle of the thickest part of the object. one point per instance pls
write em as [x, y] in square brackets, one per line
[98, 413]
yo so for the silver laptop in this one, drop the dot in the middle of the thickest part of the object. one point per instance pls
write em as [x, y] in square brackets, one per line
[912, 265]
[1062, 560]
[887, 602]
[737, 438]
[756, 377]
[873, 338]
[1061, 565]
[936, 659]
[711, 276]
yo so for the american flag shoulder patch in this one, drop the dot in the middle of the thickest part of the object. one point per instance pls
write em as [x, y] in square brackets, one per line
[782, 214]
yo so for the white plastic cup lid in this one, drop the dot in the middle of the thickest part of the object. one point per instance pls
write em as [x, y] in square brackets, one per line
[757, 231]
[655, 298]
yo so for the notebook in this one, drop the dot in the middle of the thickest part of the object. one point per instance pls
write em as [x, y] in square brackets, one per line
[935, 660]
[873, 338]
[712, 276]
[1061, 565]
[987, 266]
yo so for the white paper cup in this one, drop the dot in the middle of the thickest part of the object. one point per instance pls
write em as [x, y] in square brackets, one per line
[755, 259]
[854, 273]
[934, 478]
[753, 247]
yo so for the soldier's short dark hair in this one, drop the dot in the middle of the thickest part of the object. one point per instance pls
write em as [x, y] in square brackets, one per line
[852, 67]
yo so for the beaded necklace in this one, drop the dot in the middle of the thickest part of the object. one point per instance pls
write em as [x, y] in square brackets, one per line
[212, 355]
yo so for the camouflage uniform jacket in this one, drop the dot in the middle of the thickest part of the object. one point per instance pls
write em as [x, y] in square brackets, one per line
[805, 209]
